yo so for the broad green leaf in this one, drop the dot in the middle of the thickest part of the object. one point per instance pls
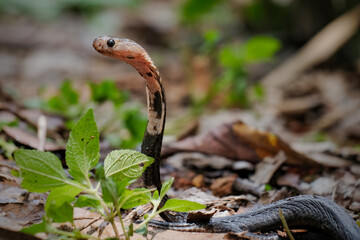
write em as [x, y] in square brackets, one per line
[88, 201]
[41, 171]
[180, 205]
[82, 150]
[112, 190]
[165, 187]
[60, 213]
[36, 228]
[231, 56]
[134, 198]
[260, 48]
[126, 163]
[58, 197]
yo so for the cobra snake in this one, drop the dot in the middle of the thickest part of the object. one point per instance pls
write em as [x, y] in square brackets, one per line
[311, 211]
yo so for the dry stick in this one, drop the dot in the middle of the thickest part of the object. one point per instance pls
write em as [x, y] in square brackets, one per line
[319, 48]
[284, 223]
[42, 132]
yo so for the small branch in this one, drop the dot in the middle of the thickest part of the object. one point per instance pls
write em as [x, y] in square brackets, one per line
[121, 221]
[42, 132]
[284, 223]
[72, 234]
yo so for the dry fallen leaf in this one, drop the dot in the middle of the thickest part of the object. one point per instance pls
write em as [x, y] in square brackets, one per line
[27, 139]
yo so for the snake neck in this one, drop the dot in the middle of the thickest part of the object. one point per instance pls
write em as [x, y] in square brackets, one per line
[152, 142]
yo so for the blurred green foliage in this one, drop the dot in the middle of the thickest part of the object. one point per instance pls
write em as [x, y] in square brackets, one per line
[230, 59]
[66, 102]
[127, 121]
[107, 90]
[234, 59]
[193, 10]
[51, 9]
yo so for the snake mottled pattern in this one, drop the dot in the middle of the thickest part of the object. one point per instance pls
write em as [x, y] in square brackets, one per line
[302, 211]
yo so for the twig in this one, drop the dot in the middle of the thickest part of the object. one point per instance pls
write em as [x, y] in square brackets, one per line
[283, 220]
[42, 132]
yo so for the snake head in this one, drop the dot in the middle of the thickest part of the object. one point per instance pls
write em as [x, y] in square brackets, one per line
[120, 48]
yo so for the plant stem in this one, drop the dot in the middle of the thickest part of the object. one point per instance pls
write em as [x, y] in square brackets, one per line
[151, 215]
[115, 228]
[121, 221]
[72, 234]
[283, 220]
[107, 212]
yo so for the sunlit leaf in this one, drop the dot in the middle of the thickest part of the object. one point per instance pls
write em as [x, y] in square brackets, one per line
[165, 187]
[87, 201]
[180, 205]
[35, 228]
[57, 200]
[41, 171]
[134, 198]
[127, 163]
[82, 150]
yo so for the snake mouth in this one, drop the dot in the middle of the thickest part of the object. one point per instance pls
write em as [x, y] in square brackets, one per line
[98, 46]
[101, 46]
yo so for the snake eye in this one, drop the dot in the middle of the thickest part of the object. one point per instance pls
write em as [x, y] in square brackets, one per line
[110, 42]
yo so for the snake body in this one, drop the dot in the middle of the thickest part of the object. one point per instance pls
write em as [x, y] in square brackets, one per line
[306, 211]
[316, 212]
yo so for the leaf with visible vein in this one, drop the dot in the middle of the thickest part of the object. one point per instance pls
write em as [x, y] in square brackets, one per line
[165, 187]
[60, 198]
[41, 171]
[126, 163]
[82, 150]
[134, 198]
[180, 205]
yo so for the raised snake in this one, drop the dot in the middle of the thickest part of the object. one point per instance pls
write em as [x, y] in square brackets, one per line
[316, 212]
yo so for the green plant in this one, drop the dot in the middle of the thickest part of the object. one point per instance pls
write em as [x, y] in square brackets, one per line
[42, 171]
[127, 120]
[234, 59]
[107, 90]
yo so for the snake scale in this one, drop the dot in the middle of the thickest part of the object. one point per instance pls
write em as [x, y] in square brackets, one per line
[302, 211]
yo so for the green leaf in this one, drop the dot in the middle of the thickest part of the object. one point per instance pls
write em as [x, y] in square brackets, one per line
[134, 198]
[135, 123]
[127, 163]
[60, 213]
[41, 171]
[179, 205]
[192, 10]
[156, 195]
[143, 230]
[88, 201]
[165, 187]
[131, 230]
[113, 190]
[231, 56]
[57, 198]
[69, 93]
[107, 90]
[99, 172]
[260, 48]
[82, 150]
[35, 228]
